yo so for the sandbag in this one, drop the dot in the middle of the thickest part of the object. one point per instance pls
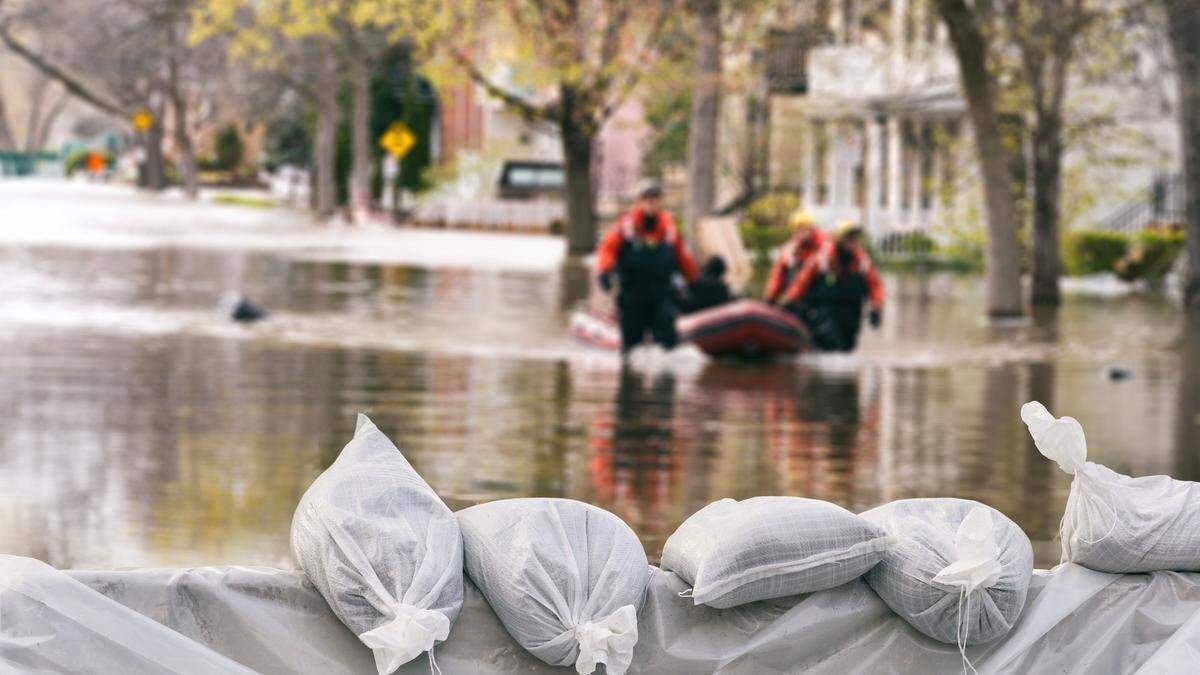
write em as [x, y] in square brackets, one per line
[565, 578]
[1114, 523]
[734, 552]
[958, 571]
[382, 548]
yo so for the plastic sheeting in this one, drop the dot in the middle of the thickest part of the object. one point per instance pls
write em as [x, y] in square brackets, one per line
[1075, 621]
[50, 623]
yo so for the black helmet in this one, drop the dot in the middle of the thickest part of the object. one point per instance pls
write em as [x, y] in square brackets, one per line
[650, 190]
[715, 267]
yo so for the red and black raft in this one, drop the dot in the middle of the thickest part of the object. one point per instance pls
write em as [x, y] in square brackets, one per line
[745, 329]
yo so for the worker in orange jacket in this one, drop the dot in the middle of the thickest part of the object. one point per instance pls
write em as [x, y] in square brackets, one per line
[645, 252]
[804, 243]
[829, 292]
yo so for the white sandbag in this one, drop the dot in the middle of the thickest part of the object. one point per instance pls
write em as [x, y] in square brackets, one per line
[1114, 523]
[565, 578]
[734, 552]
[382, 548]
[958, 570]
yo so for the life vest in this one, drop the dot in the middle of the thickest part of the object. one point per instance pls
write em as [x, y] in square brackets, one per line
[647, 262]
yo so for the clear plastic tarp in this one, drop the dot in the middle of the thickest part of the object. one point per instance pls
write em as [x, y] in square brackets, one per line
[273, 621]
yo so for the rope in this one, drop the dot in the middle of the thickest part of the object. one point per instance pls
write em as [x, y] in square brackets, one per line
[961, 632]
[433, 664]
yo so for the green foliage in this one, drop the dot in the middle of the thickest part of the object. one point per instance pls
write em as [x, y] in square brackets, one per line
[1151, 255]
[243, 200]
[965, 245]
[764, 226]
[1092, 251]
[287, 140]
[667, 115]
[77, 160]
[229, 148]
[397, 95]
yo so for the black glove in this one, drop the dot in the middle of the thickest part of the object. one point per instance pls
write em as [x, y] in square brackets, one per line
[605, 282]
[876, 318]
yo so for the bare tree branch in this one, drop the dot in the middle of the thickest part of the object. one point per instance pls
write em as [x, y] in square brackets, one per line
[77, 88]
[523, 105]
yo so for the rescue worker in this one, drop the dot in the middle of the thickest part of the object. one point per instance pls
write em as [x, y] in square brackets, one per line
[806, 240]
[710, 290]
[828, 293]
[645, 252]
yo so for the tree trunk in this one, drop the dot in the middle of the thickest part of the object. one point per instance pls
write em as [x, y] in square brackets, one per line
[1003, 256]
[183, 144]
[323, 153]
[702, 127]
[37, 98]
[48, 120]
[183, 139]
[1047, 181]
[7, 142]
[577, 133]
[360, 131]
[1184, 32]
[155, 176]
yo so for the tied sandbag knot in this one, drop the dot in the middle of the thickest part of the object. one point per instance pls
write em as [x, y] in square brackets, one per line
[609, 641]
[410, 632]
[977, 567]
[1063, 441]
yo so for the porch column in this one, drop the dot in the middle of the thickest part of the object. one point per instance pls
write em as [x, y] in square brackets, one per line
[873, 175]
[809, 167]
[894, 165]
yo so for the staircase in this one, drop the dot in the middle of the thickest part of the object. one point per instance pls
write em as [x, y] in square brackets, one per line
[1162, 203]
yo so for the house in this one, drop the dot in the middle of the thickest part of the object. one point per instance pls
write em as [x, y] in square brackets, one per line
[864, 120]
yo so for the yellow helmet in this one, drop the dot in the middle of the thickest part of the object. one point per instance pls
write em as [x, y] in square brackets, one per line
[847, 228]
[802, 220]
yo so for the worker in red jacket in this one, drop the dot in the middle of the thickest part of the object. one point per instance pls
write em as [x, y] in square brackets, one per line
[645, 252]
[806, 241]
[829, 292]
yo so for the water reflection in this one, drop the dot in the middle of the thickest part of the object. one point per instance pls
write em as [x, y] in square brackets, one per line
[140, 430]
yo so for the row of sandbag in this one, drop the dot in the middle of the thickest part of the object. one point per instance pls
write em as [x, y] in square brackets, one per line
[566, 579]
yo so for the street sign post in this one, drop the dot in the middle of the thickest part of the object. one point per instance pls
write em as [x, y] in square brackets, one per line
[398, 141]
[142, 120]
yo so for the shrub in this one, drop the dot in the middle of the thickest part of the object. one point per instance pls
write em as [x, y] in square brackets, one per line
[764, 226]
[1151, 255]
[1092, 251]
[77, 160]
[906, 243]
[228, 149]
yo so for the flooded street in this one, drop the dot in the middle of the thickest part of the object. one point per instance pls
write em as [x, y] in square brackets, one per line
[139, 428]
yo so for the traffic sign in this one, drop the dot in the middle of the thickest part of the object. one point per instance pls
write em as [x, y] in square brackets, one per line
[398, 140]
[142, 120]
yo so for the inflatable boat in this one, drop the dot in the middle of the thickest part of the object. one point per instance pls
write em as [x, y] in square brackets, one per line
[745, 328]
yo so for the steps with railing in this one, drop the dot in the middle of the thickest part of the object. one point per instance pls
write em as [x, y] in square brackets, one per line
[1161, 203]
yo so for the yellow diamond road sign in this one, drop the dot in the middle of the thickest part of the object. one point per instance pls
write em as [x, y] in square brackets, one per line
[142, 120]
[398, 140]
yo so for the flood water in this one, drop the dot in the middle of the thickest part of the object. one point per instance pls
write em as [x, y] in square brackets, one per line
[140, 429]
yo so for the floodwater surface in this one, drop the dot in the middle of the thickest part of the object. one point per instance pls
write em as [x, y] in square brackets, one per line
[141, 429]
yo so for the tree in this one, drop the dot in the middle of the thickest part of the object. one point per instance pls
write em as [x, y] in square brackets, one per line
[586, 58]
[291, 44]
[1183, 32]
[705, 112]
[966, 25]
[1045, 34]
[118, 57]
